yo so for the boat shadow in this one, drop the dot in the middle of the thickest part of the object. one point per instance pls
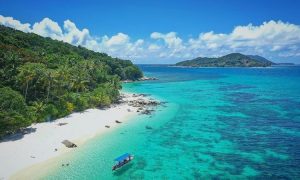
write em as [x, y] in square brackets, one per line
[121, 171]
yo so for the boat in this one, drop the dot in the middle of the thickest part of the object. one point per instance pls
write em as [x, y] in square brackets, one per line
[122, 160]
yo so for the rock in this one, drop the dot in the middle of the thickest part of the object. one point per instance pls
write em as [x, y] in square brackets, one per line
[140, 103]
[61, 124]
[118, 121]
[69, 144]
[107, 126]
[148, 127]
[127, 81]
[147, 78]
[141, 79]
[147, 111]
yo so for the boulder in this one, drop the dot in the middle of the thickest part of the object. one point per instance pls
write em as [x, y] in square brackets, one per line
[148, 127]
[62, 124]
[69, 144]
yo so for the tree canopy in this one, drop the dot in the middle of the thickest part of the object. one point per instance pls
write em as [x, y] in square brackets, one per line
[42, 79]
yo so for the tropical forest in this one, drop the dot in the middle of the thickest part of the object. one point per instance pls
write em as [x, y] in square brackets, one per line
[43, 79]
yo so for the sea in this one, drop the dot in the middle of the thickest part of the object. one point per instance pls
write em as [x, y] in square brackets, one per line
[214, 123]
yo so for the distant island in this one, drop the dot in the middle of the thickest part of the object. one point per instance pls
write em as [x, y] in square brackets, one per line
[229, 60]
[285, 64]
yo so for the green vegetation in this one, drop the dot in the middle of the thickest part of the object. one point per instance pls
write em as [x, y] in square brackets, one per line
[43, 79]
[230, 60]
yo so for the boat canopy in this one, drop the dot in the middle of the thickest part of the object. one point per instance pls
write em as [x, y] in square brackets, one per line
[123, 157]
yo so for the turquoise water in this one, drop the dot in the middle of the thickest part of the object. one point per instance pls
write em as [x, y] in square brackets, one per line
[218, 123]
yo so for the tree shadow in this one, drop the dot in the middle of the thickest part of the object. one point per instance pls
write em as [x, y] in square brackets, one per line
[18, 135]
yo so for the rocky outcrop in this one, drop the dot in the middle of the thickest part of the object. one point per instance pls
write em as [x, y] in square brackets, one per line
[140, 103]
[141, 79]
[147, 78]
[144, 105]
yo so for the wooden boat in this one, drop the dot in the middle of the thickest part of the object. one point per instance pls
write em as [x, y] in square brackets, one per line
[122, 160]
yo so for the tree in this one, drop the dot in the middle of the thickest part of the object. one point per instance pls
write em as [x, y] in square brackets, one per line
[47, 79]
[132, 72]
[25, 76]
[39, 108]
[30, 73]
[13, 111]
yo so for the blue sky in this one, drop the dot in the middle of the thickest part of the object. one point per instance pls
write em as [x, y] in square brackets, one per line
[184, 29]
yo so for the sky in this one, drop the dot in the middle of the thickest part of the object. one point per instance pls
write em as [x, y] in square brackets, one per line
[160, 31]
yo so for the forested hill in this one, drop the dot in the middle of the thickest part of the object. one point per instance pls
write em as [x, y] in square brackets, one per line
[42, 79]
[230, 60]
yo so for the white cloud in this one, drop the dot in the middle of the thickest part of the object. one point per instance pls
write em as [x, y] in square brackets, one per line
[153, 47]
[116, 40]
[11, 22]
[267, 38]
[75, 36]
[118, 45]
[270, 39]
[173, 45]
[171, 39]
[48, 28]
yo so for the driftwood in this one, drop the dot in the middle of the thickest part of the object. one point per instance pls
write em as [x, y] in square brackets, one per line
[107, 126]
[69, 144]
[118, 121]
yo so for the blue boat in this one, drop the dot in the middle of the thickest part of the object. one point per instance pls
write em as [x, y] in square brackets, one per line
[122, 160]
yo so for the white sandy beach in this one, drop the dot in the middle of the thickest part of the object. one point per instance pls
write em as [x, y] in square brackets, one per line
[40, 145]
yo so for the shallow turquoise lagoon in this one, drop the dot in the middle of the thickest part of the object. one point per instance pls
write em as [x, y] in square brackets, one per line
[218, 123]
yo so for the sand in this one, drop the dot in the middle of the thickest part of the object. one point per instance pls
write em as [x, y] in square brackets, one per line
[45, 141]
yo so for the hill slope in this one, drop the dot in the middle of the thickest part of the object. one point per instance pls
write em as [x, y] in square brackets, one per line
[230, 60]
[43, 79]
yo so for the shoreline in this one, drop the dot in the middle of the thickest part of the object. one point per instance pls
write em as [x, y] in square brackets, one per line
[44, 143]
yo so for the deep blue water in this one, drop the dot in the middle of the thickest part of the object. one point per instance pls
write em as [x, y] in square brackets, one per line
[218, 123]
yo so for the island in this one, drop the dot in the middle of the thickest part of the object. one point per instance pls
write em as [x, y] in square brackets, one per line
[229, 60]
[42, 79]
[285, 64]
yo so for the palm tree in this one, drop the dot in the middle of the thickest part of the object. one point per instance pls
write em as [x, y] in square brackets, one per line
[47, 79]
[25, 76]
[63, 80]
[79, 79]
[38, 108]
[50, 75]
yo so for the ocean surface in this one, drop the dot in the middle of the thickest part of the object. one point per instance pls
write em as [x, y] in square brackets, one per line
[217, 123]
